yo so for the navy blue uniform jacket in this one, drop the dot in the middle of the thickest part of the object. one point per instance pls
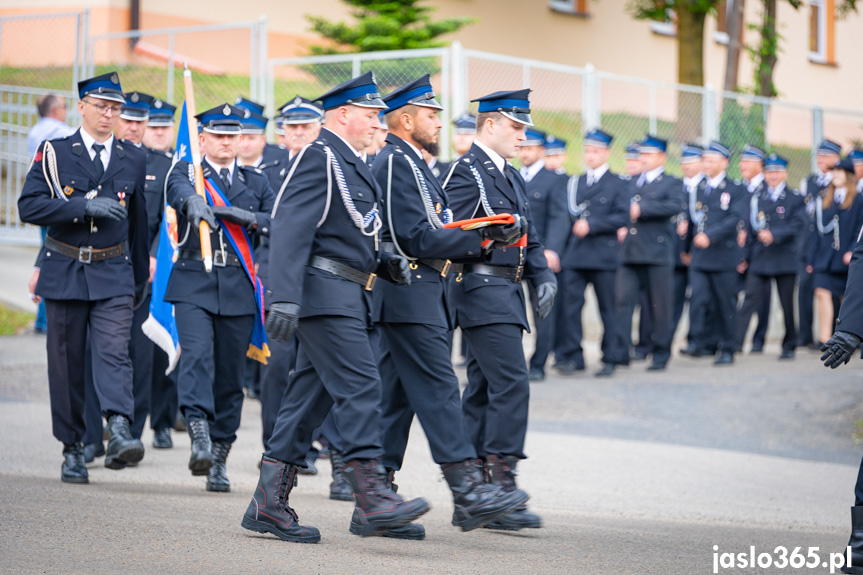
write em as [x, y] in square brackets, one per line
[481, 299]
[226, 290]
[651, 239]
[726, 210]
[822, 257]
[785, 218]
[305, 224]
[546, 195]
[606, 205]
[424, 301]
[68, 279]
[158, 166]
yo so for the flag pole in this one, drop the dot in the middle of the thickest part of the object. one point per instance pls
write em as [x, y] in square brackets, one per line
[195, 149]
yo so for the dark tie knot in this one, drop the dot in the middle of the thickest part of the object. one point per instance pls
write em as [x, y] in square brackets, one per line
[98, 148]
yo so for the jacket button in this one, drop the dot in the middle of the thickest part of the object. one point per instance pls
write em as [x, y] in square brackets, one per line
[486, 281]
[419, 277]
[660, 239]
[633, 231]
[47, 254]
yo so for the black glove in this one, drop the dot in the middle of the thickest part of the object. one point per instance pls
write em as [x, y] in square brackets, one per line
[102, 207]
[395, 269]
[198, 210]
[504, 234]
[838, 349]
[282, 320]
[237, 215]
[545, 298]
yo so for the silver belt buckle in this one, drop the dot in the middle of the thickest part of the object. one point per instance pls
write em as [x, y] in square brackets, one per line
[219, 259]
[85, 255]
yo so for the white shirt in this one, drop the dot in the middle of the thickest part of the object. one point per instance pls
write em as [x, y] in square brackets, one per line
[219, 169]
[714, 182]
[593, 176]
[754, 182]
[824, 178]
[496, 158]
[106, 152]
[777, 191]
[417, 151]
[692, 183]
[648, 177]
[839, 195]
[530, 172]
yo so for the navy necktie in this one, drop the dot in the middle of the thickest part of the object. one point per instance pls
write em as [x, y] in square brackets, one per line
[97, 160]
[225, 175]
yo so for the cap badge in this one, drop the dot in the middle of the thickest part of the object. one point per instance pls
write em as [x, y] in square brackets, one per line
[226, 110]
[298, 100]
[247, 114]
[114, 78]
[157, 103]
[134, 97]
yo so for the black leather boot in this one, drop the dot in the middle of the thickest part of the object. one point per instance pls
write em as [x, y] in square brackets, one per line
[502, 473]
[477, 502]
[122, 448]
[202, 451]
[73, 469]
[412, 531]
[378, 508]
[93, 450]
[340, 489]
[855, 542]
[162, 438]
[269, 511]
[218, 479]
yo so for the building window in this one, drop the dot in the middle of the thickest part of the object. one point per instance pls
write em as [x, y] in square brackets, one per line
[578, 7]
[667, 27]
[822, 27]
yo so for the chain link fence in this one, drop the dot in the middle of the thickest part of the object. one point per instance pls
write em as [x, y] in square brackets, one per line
[232, 59]
[226, 61]
[26, 60]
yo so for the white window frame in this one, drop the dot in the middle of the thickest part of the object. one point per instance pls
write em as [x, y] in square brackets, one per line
[566, 7]
[820, 56]
[666, 28]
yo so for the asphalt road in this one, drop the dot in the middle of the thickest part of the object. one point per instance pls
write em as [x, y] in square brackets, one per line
[643, 473]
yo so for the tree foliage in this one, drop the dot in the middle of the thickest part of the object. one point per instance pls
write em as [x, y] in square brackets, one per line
[385, 25]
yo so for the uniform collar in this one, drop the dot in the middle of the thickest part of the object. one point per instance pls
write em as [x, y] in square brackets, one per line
[714, 182]
[598, 172]
[653, 174]
[752, 184]
[361, 154]
[496, 158]
[530, 172]
[694, 180]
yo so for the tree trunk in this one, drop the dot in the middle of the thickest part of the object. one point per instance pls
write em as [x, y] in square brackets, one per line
[768, 56]
[690, 62]
[735, 35]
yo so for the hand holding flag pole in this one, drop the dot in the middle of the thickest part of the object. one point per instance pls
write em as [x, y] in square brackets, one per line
[195, 148]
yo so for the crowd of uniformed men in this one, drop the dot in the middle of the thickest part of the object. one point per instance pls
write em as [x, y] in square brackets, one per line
[371, 252]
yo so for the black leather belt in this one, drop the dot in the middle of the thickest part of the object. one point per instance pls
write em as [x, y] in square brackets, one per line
[343, 271]
[443, 267]
[86, 254]
[515, 274]
[220, 258]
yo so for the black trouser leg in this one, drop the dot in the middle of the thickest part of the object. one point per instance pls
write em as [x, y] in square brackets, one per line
[785, 288]
[572, 285]
[495, 403]
[232, 337]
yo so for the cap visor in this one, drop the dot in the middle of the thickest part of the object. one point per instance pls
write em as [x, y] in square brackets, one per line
[111, 97]
[223, 129]
[373, 103]
[160, 122]
[519, 117]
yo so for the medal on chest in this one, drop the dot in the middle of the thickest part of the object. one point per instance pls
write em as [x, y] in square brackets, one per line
[724, 200]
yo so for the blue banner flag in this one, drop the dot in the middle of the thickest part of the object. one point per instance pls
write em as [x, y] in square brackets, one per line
[160, 326]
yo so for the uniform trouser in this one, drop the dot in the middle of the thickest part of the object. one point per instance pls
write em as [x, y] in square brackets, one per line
[657, 280]
[141, 349]
[805, 297]
[417, 377]
[756, 287]
[495, 402]
[717, 290]
[274, 381]
[763, 310]
[163, 392]
[336, 367]
[858, 487]
[546, 330]
[573, 284]
[210, 380]
[645, 324]
[681, 282]
[108, 322]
